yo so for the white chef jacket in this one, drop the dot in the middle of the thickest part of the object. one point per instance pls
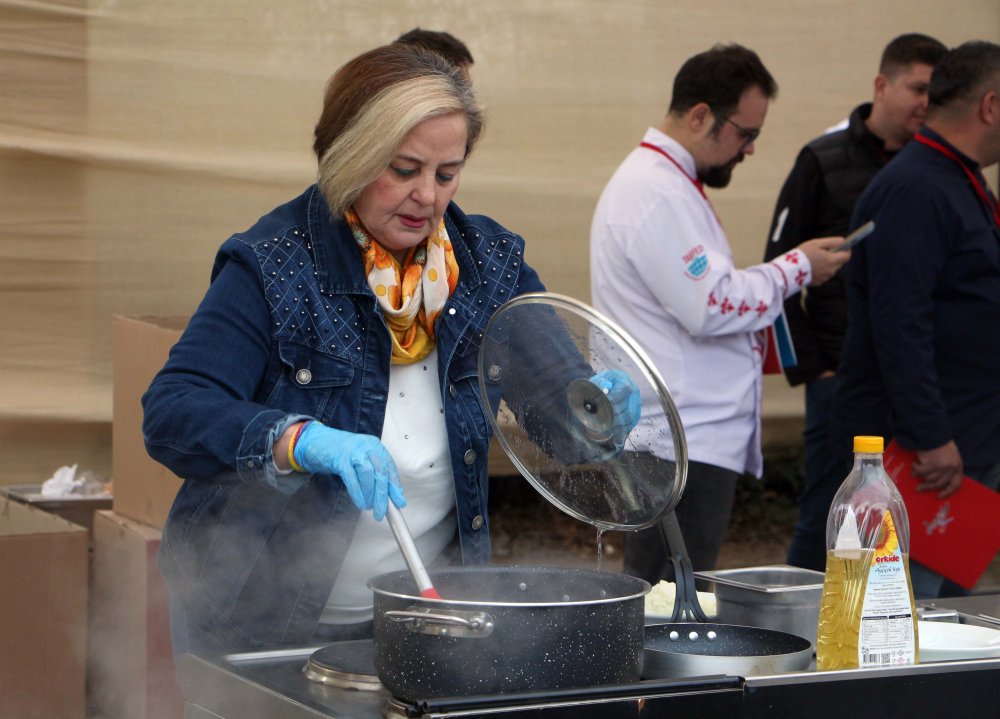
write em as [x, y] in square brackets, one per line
[661, 267]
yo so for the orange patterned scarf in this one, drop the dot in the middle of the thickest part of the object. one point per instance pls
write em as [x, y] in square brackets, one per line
[413, 294]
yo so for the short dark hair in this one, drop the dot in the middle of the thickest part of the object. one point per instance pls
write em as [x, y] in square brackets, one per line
[908, 49]
[963, 71]
[719, 77]
[443, 43]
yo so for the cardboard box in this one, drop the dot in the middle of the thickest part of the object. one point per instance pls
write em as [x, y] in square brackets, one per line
[129, 655]
[143, 488]
[76, 509]
[43, 614]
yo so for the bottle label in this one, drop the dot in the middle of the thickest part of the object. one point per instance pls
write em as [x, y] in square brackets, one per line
[886, 636]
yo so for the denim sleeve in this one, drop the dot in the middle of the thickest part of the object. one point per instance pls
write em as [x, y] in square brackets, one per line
[201, 419]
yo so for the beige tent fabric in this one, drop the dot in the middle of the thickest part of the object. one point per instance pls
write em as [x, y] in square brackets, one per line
[135, 136]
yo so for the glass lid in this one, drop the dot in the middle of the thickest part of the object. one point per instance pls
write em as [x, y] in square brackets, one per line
[582, 412]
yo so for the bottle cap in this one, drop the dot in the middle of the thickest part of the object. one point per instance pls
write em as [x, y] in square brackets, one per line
[869, 445]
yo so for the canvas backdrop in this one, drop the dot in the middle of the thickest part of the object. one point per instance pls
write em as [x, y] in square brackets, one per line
[136, 136]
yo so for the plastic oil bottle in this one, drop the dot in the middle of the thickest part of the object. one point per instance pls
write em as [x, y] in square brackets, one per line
[867, 616]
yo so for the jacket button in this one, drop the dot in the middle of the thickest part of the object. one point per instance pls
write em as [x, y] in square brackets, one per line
[470, 457]
[478, 522]
[452, 392]
[303, 376]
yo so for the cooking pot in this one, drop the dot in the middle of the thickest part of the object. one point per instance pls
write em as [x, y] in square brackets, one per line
[690, 649]
[507, 629]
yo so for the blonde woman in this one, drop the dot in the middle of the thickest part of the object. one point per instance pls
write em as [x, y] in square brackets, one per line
[331, 369]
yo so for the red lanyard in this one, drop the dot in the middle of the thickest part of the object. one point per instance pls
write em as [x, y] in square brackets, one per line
[984, 193]
[693, 180]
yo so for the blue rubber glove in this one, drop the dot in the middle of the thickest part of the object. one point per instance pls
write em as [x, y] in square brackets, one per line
[624, 396]
[360, 460]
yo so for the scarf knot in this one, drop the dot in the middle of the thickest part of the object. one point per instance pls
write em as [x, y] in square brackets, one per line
[411, 294]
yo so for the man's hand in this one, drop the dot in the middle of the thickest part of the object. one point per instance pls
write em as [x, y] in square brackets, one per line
[824, 262]
[940, 469]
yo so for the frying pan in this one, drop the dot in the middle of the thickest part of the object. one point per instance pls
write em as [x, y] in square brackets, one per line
[690, 649]
[690, 646]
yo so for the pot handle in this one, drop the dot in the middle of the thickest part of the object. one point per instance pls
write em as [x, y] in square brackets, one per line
[448, 624]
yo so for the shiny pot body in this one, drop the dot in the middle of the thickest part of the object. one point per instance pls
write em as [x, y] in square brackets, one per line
[691, 649]
[507, 629]
[775, 596]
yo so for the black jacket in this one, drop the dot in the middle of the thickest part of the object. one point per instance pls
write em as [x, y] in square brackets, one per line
[921, 359]
[817, 200]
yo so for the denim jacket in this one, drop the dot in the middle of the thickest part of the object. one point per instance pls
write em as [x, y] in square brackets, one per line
[289, 329]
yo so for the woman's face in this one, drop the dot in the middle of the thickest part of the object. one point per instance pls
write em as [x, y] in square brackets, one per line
[407, 200]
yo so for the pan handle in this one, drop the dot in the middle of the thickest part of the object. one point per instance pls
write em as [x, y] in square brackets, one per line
[476, 625]
[686, 605]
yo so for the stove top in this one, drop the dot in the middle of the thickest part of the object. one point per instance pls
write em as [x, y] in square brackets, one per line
[274, 684]
[268, 684]
[347, 665]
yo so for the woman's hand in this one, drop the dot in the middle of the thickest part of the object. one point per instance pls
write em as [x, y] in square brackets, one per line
[360, 460]
[624, 396]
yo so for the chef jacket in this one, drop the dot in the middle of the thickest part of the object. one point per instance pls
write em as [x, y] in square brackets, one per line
[661, 267]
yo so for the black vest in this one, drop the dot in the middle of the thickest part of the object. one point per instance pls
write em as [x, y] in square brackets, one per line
[848, 160]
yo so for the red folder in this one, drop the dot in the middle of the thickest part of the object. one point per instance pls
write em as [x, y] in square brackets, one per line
[957, 536]
[772, 360]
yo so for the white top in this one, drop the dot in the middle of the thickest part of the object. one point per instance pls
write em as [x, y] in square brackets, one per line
[414, 432]
[661, 267]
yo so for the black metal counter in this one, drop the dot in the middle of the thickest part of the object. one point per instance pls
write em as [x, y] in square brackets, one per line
[271, 685]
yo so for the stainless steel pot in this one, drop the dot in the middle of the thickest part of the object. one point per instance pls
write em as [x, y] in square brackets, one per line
[690, 649]
[507, 629]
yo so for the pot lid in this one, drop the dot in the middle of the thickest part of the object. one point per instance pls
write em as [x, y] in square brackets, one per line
[538, 354]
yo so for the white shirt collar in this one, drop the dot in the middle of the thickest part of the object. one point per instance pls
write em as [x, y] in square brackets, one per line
[673, 148]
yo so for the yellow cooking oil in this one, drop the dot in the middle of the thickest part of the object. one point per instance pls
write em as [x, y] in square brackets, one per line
[840, 610]
[867, 615]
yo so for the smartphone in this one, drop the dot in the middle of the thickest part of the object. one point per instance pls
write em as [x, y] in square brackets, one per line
[855, 237]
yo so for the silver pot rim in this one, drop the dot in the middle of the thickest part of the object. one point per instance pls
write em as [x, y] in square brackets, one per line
[642, 587]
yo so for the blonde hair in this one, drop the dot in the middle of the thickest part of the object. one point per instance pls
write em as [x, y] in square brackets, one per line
[371, 105]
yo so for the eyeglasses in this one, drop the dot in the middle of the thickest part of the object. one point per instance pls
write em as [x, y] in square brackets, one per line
[746, 133]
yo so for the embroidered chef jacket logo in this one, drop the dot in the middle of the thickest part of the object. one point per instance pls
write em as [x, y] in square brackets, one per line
[941, 520]
[696, 262]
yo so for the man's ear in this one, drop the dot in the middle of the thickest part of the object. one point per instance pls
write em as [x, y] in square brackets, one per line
[700, 118]
[880, 84]
[989, 108]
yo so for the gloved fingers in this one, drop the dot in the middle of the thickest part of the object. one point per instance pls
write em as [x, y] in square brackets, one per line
[385, 479]
[632, 410]
[396, 493]
[380, 485]
[623, 393]
[602, 382]
[365, 472]
[352, 483]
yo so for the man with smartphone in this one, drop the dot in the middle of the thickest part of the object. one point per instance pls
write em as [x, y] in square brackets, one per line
[817, 199]
[921, 358]
[662, 268]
